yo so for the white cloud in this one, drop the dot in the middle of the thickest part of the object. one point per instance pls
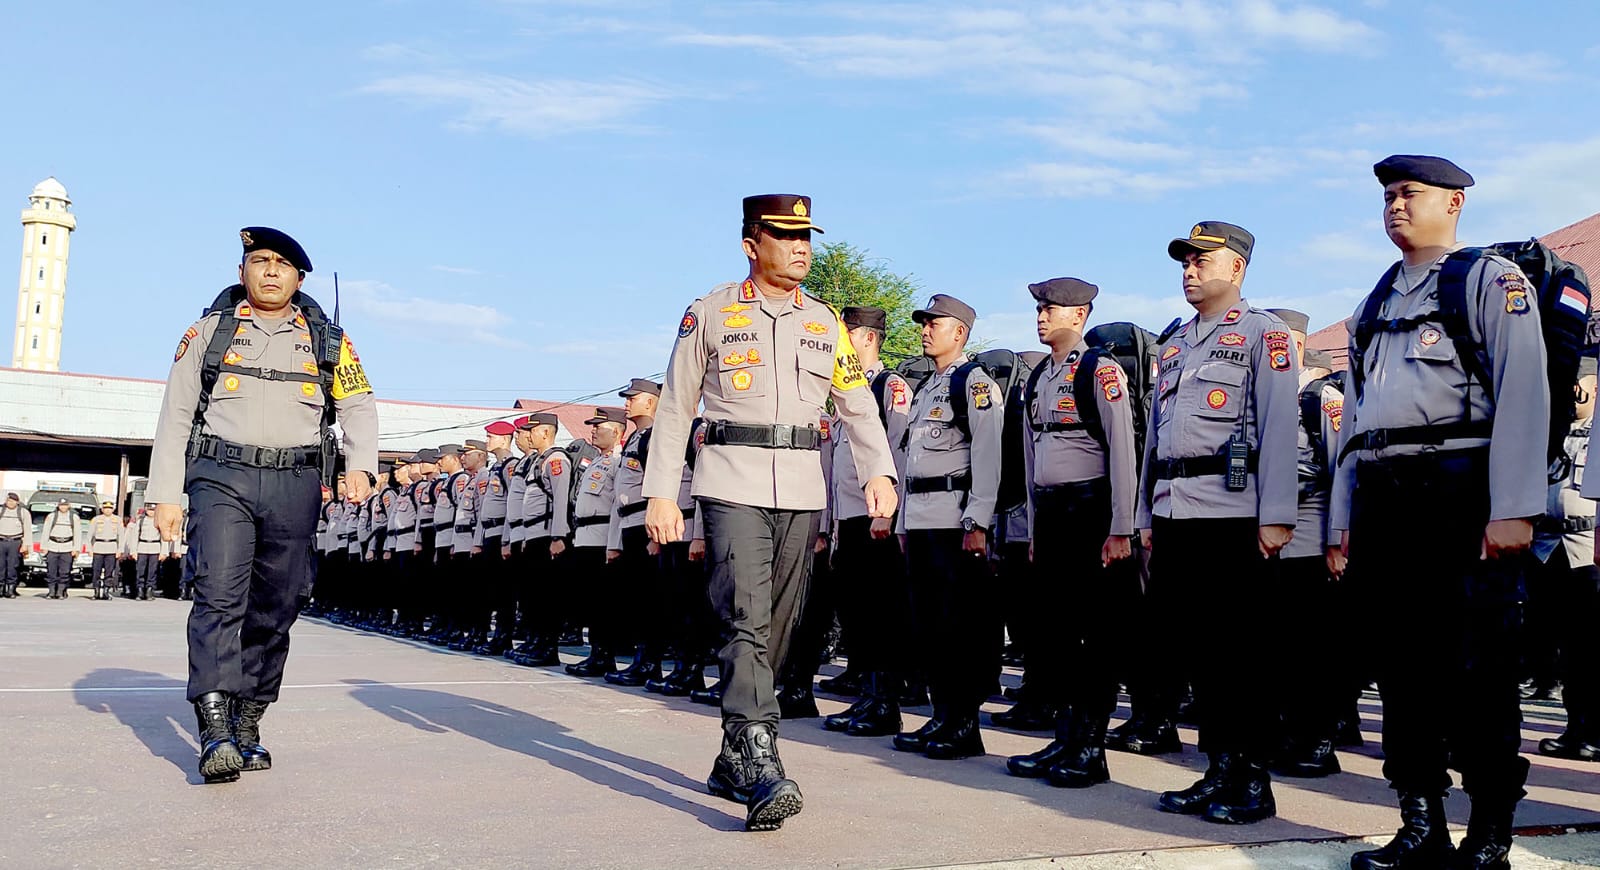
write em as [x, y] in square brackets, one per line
[1349, 250]
[1184, 172]
[1475, 56]
[527, 107]
[456, 270]
[1532, 190]
[463, 324]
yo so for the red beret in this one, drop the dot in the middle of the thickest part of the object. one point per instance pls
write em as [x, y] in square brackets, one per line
[500, 427]
[522, 423]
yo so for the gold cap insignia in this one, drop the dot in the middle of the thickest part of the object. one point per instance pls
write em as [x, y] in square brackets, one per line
[800, 208]
[1197, 232]
[244, 236]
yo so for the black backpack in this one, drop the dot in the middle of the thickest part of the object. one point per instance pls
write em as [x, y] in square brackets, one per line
[1559, 288]
[916, 370]
[1011, 372]
[1134, 348]
[324, 334]
[1311, 423]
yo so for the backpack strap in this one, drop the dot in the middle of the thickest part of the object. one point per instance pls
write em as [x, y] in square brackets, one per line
[958, 397]
[1311, 420]
[1083, 384]
[1030, 394]
[880, 389]
[690, 455]
[1368, 326]
[1453, 316]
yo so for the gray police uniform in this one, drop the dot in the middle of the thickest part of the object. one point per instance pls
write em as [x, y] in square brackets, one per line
[591, 519]
[252, 511]
[1449, 675]
[953, 478]
[1227, 381]
[637, 573]
[105, 541]
[1083, 487]
[16, 535]
[490, 536]
[60, 533]
[764, 368]
[144, 544]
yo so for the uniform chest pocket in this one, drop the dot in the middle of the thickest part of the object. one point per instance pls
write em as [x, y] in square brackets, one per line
[744, 371]
[1221, 387]
[1429, 344]
[816, 374]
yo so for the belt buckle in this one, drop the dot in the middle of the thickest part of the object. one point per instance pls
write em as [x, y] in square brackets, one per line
[268, 456]
[231, 452]
[783, 435]
[1377, 439]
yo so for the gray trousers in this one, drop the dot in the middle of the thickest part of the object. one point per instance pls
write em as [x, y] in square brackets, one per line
[760, 565]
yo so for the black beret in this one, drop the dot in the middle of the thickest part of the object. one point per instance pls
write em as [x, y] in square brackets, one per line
[946, 306]
[641, 385]
[864, 316]
[1212, 236]
[1435, 171]
[1064, 291]
[784, 211]
[276, 241]
[1291, 318]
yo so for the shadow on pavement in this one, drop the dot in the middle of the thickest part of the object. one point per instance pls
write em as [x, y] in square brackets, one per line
[159, 720]
[438, 712]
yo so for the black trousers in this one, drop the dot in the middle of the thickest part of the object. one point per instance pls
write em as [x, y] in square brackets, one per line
[10, 561]
[58, 571]
[871, 578]
[810, 636]
[250, 532]
[759, 561]
[419, 580]
[1447, 625]
[495, 575]
[1574, 593]
[105, 572]
[956, 618]
[1076, 599]
[685, 609]
[545, 578]
[147, 564]
[1311, 670]
[1210, 593]
[638, 574]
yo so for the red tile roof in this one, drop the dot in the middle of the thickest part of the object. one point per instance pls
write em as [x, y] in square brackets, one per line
[571, 414]
[1578, 243]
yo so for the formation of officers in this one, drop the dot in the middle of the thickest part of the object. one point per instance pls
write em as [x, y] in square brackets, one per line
[128, 555]
[783, 473]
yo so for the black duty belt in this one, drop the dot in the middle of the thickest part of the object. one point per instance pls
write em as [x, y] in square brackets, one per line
[543, 518]
[582, 522]
[1567, 525]
[493, 523]
[426, 526]
[781, 436]
[141, 540]
[517, 524]
[1377, 439]
[948, 483]
[632, 508]
[463, 530]
[1215, 465]
[55, 540]
[212, 447]
[10, 537]
[1078, 489]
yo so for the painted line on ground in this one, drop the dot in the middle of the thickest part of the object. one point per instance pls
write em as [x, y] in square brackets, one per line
[365, 684]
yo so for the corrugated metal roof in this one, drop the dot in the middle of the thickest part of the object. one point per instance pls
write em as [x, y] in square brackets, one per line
[106, 408]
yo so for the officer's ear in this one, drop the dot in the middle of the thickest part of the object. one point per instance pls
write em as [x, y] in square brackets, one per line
[1239, 267]
[1458, 199]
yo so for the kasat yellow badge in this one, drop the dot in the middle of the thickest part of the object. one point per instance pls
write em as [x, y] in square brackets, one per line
[349, 379]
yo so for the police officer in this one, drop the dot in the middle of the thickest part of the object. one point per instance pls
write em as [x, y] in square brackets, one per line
[247, 454]
[546, 518]
[951, 486]
[519, 582]
[60, 531]
[16, 538]
[635, 559]
[418, 607]
[684, 609]
[1311, 672]
[476, 595]
[399, 536]
[759, 476]
[1083, 490]
[1219, 485]
[591, 520]
[105, 540]
[1564, 541]
[1433, 456]
[868, 567]
[487, 542]
[444, 593]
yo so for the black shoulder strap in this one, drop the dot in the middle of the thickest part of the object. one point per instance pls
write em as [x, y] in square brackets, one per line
[211, 362]
[691, 455]
[958, 397]
[880, 389]
[1311, 418]
[1453, 315]
[1367, 327]
[1030, 393]
[1084, 386]
[1171, 329]
[643, 451]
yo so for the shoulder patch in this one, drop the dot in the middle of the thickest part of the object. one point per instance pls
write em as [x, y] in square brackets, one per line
[183, 343]
[1334, 409]
[899, 393]
[1516, 290]
[687, 325]
[1277, 349]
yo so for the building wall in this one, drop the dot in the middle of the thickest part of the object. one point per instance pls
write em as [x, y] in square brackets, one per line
[47, 226]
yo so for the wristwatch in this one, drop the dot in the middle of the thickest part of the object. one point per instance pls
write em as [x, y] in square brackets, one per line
[968, 525]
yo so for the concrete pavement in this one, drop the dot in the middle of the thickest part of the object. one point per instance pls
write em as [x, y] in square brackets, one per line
[394, 754]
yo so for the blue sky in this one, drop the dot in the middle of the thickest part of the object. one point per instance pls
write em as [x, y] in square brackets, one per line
[521, 197]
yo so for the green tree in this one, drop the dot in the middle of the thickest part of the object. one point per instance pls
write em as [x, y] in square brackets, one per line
[842, 274]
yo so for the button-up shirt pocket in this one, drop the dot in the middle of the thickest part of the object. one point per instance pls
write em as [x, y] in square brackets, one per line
[815, 373]
[1221, 388]
[744, 371]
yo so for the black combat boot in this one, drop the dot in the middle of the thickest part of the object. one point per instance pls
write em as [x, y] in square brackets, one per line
[1026, 715]
[917, 741]
[599, 663]
[1085, 765]
[711, 696]
[537, 655]
[849, 683]
[247, 734]
[1487, 845]
[1159, 737]
[1307, 759]
[959, 738]
[220, 760]
[881, 717]
[646, 666]
[727, 779]
[1422, 843]
[689, 677]
[796, 701]
[1577, 742]
[1035, 765]
[1245, 797]
[841, 720]
[915, 693]
[773, 797]
[1118, 737]
[1193, 800]
[656, 685]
